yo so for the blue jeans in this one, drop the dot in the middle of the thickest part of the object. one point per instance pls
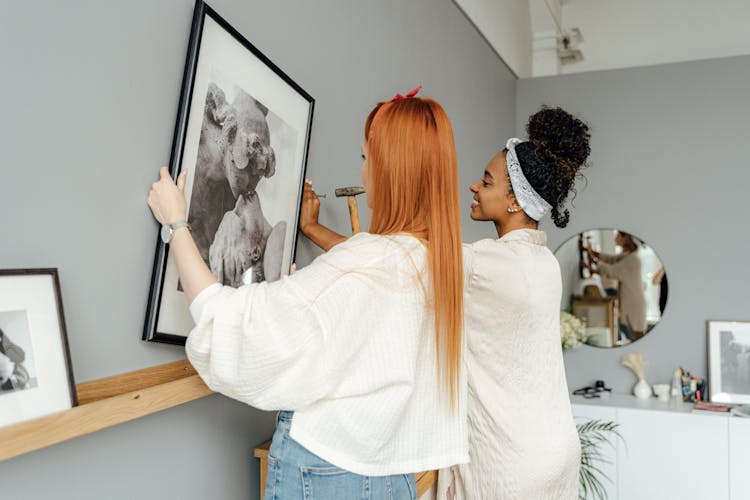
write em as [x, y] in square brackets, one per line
[296, 474]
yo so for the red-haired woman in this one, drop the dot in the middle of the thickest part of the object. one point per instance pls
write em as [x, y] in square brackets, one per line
[362, 348]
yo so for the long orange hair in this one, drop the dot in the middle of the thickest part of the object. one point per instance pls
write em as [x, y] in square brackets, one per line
[414, 177]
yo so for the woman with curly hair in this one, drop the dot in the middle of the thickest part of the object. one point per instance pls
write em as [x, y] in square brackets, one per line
[523, 442]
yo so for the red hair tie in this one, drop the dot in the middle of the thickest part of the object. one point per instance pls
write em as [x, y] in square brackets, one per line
[411, 93]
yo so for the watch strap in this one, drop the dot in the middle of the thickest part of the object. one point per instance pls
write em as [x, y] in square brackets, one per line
[180, 223]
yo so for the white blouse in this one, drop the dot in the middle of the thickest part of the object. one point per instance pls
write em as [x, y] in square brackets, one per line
[523, 442]
[348, 344]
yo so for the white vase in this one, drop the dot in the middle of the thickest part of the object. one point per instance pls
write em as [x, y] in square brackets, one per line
[642, 389]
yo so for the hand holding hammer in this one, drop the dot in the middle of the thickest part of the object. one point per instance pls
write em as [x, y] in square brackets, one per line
[308, 220]
[351, 193]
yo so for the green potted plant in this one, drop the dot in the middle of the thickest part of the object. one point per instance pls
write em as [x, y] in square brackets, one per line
[594, 434]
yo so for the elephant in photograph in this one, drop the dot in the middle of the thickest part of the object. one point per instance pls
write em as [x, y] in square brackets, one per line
[234, 154]
[245, 144]
[246, 242]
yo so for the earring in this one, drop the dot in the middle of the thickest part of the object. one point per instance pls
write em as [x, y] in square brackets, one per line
[512, 210]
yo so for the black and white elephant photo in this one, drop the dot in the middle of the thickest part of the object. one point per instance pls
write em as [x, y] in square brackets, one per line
[234, 155]
[242, 135]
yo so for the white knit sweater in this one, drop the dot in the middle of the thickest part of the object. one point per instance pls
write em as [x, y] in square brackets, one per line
[523, 442]
[348, 344]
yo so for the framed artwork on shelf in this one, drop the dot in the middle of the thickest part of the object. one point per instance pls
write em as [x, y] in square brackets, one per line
[242, 133]
[36, 376]
[728, 361]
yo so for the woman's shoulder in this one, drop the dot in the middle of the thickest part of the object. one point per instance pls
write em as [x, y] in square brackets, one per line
[361, 260]
[504, 256]
[534, 241]
[368, 242]
[483, 244]
[366, 249]
[487, 248]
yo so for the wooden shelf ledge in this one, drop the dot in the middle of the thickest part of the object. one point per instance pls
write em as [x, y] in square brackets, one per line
[108, 402]
[108, 387]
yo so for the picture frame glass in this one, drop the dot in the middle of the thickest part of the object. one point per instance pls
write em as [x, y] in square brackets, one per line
[729, 361]
[245, 133]
[35, 372]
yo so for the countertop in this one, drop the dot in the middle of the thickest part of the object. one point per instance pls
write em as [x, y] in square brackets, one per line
[631, 402]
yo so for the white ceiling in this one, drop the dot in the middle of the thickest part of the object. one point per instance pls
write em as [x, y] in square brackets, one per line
[506, 24]
[616, 33]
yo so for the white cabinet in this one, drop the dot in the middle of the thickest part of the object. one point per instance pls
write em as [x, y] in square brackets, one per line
[672, 455]
[739, 458]
[669, 452]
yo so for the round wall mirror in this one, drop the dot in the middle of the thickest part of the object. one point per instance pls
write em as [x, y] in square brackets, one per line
[615, 283]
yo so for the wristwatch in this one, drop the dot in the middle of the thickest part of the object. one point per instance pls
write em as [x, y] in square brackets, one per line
[167, 230]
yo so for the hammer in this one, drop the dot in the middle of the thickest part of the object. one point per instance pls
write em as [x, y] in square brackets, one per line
[351, 193]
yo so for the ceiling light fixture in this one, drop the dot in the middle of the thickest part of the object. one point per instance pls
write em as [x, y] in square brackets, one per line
[567, 46]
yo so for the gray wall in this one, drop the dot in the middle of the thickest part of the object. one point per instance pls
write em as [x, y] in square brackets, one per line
[670, 165]
[90, 92]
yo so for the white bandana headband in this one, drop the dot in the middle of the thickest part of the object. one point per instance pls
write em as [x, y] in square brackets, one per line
[534, 205]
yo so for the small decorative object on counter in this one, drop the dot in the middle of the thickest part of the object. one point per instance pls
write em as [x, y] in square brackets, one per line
[689, 389]
[635, 361]
[661, 391]
[598, 390]
[712, 407]
[692, 388]
[676, 391]
[572, 331]
[642, 389]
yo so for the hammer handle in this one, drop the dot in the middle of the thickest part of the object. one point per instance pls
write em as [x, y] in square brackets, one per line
[353, 213]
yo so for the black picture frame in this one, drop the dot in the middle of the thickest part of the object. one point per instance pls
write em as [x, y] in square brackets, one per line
[201, 15]
[37, 345]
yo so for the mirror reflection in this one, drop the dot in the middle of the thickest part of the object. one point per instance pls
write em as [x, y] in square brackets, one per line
[615, 283]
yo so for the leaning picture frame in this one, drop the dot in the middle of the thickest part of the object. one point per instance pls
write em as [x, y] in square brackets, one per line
[36, 375]
[242, 134]
[728, 347]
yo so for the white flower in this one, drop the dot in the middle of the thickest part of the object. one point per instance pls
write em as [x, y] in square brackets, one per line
[572, 330]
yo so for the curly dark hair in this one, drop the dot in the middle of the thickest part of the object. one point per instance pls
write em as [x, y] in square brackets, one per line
[552, 158]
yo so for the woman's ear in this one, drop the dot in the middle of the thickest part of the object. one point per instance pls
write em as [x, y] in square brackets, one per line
[513, 205]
